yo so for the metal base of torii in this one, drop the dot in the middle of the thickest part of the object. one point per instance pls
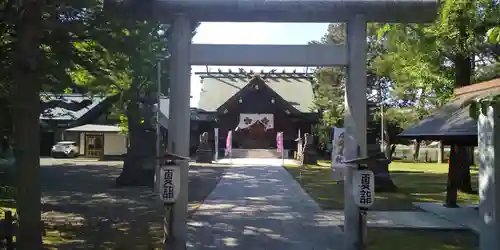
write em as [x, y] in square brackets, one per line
[356, 13]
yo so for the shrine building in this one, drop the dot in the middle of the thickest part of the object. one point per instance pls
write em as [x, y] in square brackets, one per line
[255, 106]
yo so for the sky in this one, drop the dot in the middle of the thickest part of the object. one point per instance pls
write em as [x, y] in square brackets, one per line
[251, 33]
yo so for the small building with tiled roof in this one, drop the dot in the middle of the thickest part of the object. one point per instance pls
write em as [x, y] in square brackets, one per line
[100, 141]
[63, 111]
[256, 107]
[452, 123]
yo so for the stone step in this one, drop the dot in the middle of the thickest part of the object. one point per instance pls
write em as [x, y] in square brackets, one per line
[257, 153]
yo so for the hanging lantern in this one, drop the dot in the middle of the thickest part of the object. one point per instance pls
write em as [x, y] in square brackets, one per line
[170, 177]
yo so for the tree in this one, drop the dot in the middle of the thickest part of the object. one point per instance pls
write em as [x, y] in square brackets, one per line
[427, 62]
[121, 59]
[329, 87]
[134, 53]
[6, 121]
[329, 84]
[30, 62]
[329, 90]
[329, 100]
[494, 35]
[27, 24]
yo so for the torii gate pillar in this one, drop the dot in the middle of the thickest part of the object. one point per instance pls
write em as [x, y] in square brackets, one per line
[355, 120]
[179, 122]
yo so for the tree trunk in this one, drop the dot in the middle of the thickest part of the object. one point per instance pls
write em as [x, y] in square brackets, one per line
[383, 180]
[26, 106]
[440, 152]
[133, 172]
[388, 149]
[464, 66]
[393, 149]
[416, 151]
[3, 123]
[465, 177]
[3, 133]
[463, 77]
[456, 157]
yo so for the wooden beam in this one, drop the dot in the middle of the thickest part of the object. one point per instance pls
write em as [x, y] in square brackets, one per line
[300, 11]
[268, 55]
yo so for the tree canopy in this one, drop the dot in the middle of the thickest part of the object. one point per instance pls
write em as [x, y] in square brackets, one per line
[414, 68]
[330, 86]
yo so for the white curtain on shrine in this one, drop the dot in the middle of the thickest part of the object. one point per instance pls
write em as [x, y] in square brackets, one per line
[247, 120]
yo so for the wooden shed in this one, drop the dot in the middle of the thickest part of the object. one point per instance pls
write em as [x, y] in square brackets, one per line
[100, 141]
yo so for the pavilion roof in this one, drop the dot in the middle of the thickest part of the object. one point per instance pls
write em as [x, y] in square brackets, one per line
[67, 106]
[453, 120]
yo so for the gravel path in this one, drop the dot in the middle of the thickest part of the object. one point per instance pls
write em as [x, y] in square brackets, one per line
[261, 207]
[89, 212]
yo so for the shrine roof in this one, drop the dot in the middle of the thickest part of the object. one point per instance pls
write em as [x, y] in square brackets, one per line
[453, 119]
[67, 106]
[217, 88]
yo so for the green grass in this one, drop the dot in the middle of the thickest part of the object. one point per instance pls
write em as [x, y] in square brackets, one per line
[401, 239]
[415, 182]
[7, 190]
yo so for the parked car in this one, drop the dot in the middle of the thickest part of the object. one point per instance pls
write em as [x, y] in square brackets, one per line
[65, 149]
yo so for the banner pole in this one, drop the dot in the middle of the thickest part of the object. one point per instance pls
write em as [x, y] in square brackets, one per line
[216, 137]
[282, 149]
[158, 126]
[231, 148]
[283, 157]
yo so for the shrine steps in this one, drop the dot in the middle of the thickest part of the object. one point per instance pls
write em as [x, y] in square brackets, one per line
[257, 153]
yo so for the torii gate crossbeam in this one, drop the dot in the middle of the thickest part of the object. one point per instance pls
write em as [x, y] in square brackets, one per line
[299, 11]
[282, 55]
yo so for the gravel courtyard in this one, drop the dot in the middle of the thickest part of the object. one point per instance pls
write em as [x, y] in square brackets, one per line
[84, 210]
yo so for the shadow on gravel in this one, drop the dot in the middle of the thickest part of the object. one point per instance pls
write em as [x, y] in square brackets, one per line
[84, 210]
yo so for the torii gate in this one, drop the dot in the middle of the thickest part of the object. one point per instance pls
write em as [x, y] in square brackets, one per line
[356, 13]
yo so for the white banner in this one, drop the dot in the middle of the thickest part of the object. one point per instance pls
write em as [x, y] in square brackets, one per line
[247, 120]
[338, 154]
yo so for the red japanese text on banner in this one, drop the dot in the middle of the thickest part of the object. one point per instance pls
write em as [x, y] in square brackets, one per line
[229, 140]
[279, 141]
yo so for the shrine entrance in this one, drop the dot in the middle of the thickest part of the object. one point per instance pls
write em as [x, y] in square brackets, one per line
[254, 137]
[255, 131]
